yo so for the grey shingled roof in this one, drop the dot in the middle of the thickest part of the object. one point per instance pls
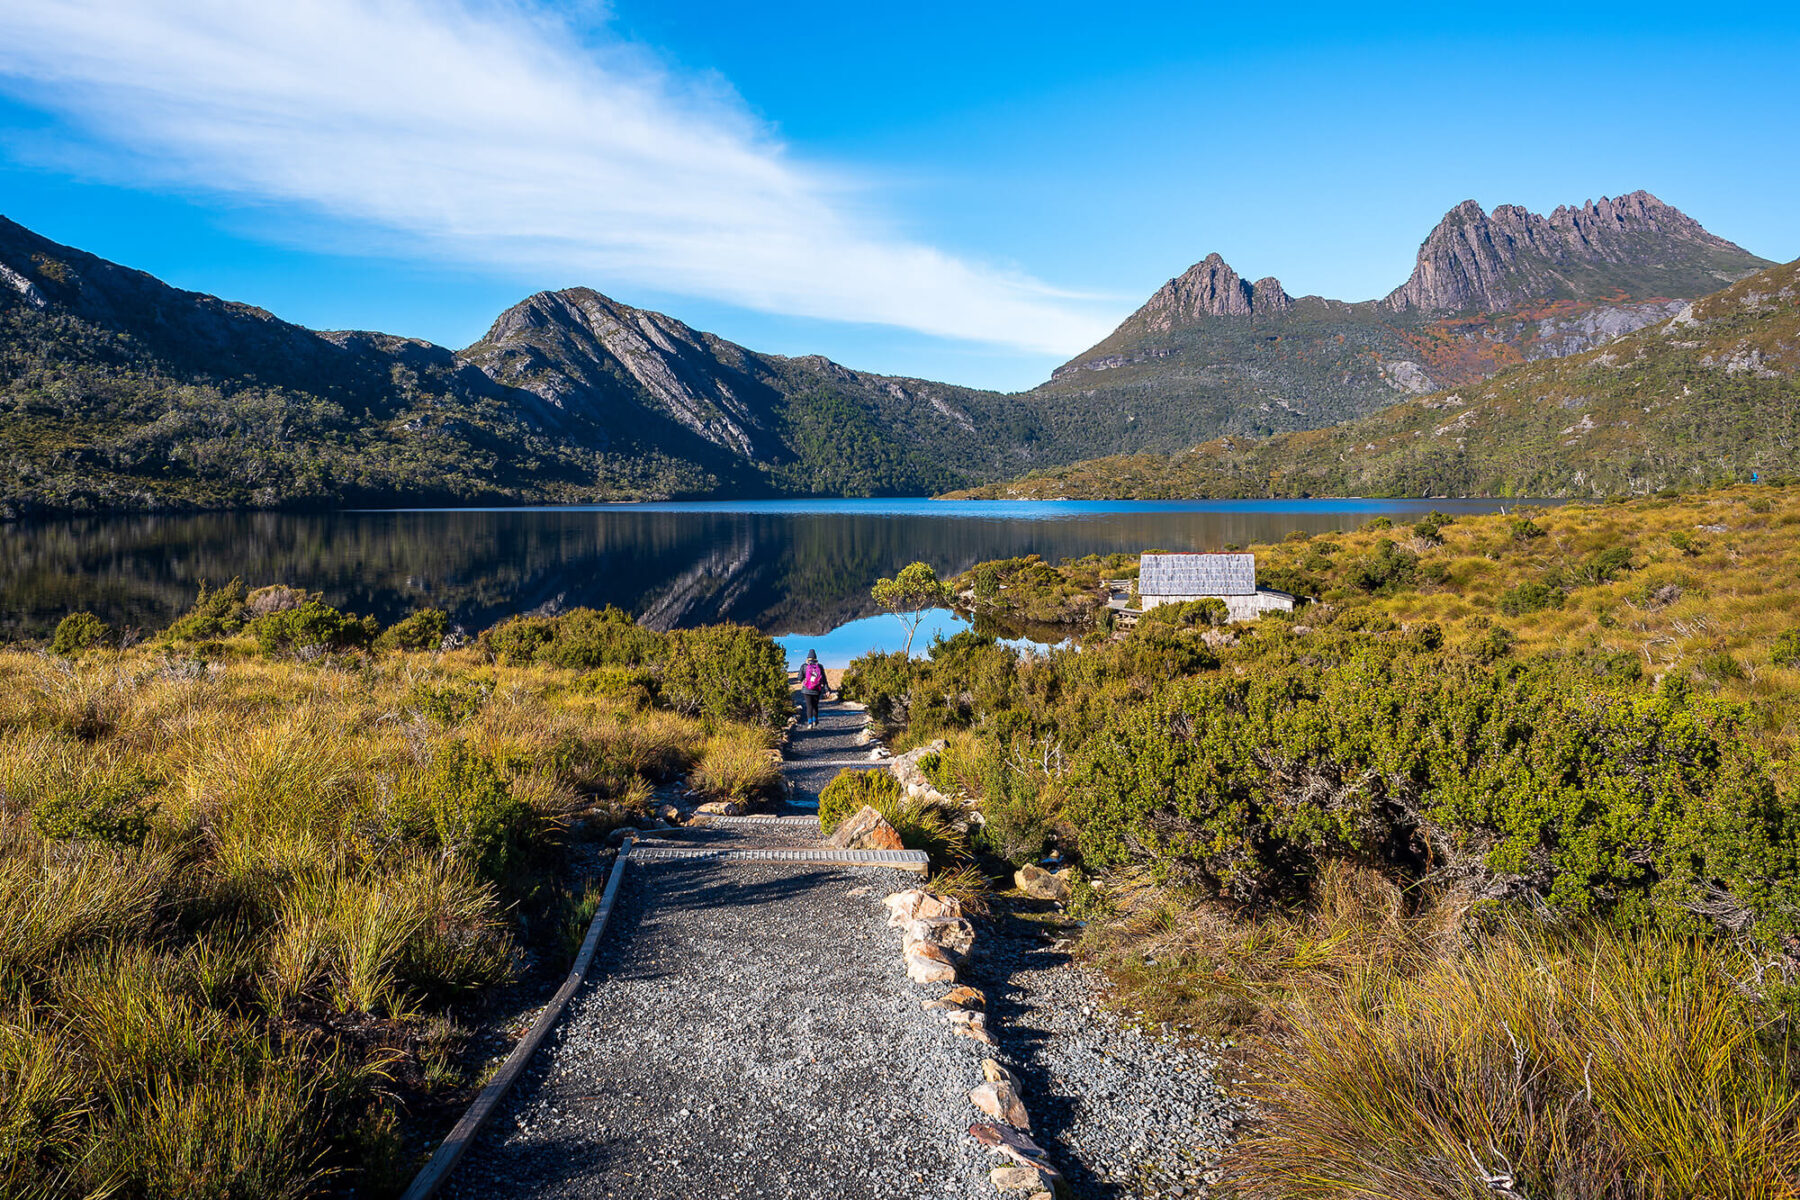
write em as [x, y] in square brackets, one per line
[1197, 575]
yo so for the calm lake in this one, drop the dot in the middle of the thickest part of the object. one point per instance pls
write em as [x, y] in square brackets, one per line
[793, 567]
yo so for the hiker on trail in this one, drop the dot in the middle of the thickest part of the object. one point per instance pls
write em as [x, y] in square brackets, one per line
[812, 683]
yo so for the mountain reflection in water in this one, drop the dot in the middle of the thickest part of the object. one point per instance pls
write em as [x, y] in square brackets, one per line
[799, 567]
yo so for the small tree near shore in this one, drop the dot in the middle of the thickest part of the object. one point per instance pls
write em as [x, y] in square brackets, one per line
[914, 591]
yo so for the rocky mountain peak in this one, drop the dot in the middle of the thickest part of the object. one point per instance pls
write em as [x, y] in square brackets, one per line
[1633, 244]
[1210, 288]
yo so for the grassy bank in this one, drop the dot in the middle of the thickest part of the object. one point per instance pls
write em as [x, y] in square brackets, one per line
[1488, 860]
[259, 876]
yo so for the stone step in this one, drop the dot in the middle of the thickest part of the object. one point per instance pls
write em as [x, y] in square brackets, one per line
[904, 860]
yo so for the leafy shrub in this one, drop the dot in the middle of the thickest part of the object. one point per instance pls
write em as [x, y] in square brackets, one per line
[1385, 571]
[1431, 527]
[1522, 780]
[585, 638]
[310, 628]
[424, 630]
[79, 632]
[1603, 566]
[1687, 543]
[1524, 529]
[1497, 643]
[1786, 651]
[474, 812]
[850, 790]
[1207, 611]
[449, 701]
[516, 641]
[1377, 523]
[1529, 598]
[1295, 581]
[727, 672]
[635, 684]
[215, 614]
[110, 809]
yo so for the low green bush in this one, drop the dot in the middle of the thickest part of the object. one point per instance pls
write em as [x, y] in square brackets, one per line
[1524, 780]
[1524, 529]
[217, 612]
[1206, 612]
[474, 812]
[112, 809]
[449, 701]
[1786, 651]
[424, 630]
[637, 684]
[1529, 598]
[850, 790]
[80, 632]
[1385, 571]
[1604, 566]
[311, 628]
[727, 672]
[517, 640]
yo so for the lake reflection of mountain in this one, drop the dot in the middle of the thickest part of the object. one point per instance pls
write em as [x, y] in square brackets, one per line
[783, 566]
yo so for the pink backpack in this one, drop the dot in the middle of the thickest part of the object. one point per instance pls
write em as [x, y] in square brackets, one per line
[812, 677]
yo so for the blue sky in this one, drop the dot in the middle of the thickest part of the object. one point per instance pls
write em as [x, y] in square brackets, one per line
[972, 193]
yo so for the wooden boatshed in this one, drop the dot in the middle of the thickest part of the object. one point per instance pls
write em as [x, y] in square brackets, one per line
[1180, 578]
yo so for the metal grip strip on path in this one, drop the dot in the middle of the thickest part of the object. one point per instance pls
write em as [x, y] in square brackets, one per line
[436, 1172]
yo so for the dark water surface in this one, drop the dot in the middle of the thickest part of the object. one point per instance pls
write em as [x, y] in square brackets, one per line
[793, 566]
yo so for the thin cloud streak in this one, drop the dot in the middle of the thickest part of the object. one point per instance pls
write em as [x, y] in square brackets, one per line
[492, 135]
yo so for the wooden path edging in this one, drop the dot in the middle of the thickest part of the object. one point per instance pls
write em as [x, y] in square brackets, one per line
[436, 1172]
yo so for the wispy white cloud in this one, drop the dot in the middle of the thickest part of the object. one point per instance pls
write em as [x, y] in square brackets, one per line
[488, 132]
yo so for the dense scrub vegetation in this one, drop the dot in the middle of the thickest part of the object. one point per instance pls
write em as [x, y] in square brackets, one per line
[1498, 755]
[259, 873]
[1710, 397]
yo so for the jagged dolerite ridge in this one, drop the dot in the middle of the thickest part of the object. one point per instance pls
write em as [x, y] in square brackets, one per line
[1635, 247]
[1210, 354]
[118, 392]
[1708, 395]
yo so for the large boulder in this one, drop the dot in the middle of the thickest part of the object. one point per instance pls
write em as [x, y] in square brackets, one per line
[928, 964]
[1000, 1100]
[867, 830]
[953, 934]
[917, 904]
[1040, 884]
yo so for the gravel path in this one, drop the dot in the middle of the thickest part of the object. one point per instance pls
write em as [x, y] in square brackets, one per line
[747, 1032]
[815, 756]
[1123, 1113]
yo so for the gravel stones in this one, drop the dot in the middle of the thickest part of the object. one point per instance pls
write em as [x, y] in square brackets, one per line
[745, 1033]
[1125, 1114]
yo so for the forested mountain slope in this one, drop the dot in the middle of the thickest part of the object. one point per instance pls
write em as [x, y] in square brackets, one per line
[120, 392]
[1711, 394]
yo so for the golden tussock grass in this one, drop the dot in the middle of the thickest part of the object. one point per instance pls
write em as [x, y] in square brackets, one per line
[207, 867]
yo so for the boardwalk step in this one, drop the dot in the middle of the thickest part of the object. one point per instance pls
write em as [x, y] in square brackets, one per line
[905, 860]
